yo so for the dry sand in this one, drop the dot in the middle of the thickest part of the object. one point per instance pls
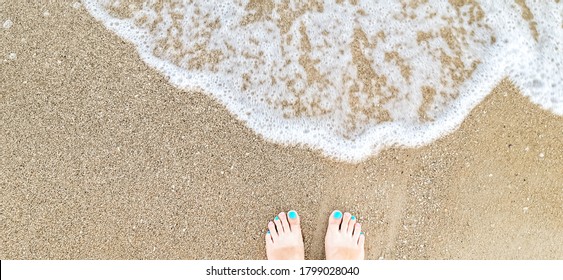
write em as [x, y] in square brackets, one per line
[100, 158]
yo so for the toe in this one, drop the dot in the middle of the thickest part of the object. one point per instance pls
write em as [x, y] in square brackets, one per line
[294, 222]
[284, 222]
[362, 239]
[357, 231]
[334, 220]
[268, 238]
[345, 220]
[277, 222]
[351, 224]
[272, 230]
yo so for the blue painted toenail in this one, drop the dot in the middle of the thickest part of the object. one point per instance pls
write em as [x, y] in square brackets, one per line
[362, 233]
[276, 218]
[337, 215]
[268, 232]
[292, 214]
[353, 218]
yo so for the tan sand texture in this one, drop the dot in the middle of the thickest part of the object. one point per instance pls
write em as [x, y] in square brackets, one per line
[100, 158]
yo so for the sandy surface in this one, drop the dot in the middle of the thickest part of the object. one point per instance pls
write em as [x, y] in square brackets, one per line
[100, 158]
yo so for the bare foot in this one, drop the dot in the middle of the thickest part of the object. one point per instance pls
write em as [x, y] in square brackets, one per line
[283, 239]
[344, 238]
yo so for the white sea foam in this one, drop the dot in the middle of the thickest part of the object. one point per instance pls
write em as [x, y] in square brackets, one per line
[348, 77]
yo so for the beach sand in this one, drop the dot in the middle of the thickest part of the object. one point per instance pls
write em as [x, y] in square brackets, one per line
[100, 158]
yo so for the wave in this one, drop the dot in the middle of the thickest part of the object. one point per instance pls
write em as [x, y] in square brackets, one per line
[348, 77]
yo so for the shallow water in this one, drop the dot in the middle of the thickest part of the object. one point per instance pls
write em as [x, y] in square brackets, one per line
[348, 77]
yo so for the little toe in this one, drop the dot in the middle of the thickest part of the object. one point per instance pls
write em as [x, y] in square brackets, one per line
[357, 231]
[273, 231]
[268, 237]
[362, 239]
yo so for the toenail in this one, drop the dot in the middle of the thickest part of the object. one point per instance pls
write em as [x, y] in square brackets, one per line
[268, 232]
[292, 214]
[337, 214]
[276, 218]
[353, 218]
[362, 233]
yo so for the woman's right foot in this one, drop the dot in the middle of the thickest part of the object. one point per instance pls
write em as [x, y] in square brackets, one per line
[344, 238]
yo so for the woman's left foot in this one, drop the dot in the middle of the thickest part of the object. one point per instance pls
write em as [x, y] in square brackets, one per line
[283, 239]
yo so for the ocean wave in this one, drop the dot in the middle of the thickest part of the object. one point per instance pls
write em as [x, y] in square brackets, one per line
[348, 77]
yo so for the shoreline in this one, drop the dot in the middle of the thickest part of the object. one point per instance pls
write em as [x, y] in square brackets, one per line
[102, 159]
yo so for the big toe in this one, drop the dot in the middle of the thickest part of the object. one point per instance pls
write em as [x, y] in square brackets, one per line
[335, 220]
[294, 221]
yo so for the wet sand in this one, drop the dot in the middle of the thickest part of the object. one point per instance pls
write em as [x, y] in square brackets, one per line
[100, 158]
